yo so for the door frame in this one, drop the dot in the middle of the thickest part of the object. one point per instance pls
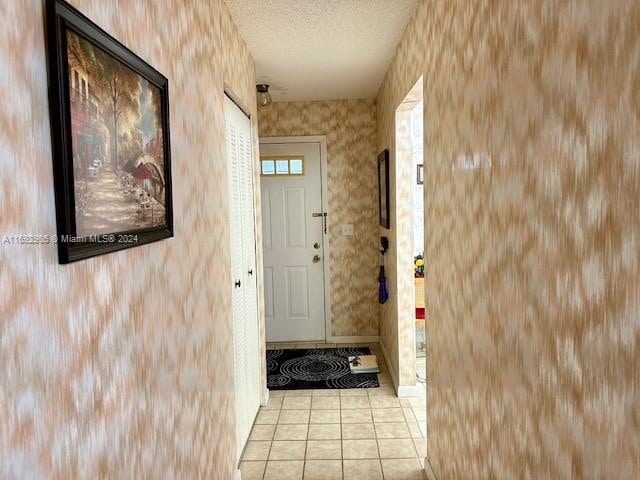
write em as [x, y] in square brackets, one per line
[322, 140]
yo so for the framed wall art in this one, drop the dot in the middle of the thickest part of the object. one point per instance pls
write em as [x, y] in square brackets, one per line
[383, 189]
[109, 113]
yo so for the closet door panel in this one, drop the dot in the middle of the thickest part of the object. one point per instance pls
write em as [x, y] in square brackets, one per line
[244, 290]
[245, 145]
[235, 229]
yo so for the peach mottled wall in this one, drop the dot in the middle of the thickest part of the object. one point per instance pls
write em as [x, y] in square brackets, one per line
[350, 128]
[532, 233]
[121, 366]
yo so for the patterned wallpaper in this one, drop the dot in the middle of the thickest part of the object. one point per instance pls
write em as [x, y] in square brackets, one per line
[350, 127]
[121, 366]
[532, 188]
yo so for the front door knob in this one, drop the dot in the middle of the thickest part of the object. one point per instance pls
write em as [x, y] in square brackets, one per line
[316, 258]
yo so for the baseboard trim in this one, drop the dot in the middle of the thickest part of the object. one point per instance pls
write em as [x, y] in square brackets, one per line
[385, 354]
[356, 339]
[265, 397]
[401, 390]
[407, 391]
[428, 470]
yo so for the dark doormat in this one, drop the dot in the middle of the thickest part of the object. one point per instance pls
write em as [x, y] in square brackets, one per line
[316, 368]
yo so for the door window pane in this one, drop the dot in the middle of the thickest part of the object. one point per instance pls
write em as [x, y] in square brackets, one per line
[282, 167]
[295, 166]
[268, 167]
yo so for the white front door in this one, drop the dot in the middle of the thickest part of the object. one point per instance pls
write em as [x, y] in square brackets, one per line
[293, 223]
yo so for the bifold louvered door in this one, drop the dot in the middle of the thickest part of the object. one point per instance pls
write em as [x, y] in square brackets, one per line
[243, 269]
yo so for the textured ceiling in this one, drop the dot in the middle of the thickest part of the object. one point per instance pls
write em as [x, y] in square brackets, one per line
[322, 49]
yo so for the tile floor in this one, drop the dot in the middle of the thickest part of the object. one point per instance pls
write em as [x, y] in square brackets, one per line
[352, 434]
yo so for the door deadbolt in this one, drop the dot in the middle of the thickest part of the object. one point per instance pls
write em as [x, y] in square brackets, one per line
[316, 245]
[316, 258]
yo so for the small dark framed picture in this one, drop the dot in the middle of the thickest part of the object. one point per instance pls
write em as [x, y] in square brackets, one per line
[109, 113]
[383, 189]
[420, 174]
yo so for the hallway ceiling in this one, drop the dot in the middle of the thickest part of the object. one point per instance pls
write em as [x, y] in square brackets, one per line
[322, 49]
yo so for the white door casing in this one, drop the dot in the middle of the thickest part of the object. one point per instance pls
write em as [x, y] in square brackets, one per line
[294, 283]
[238, 145]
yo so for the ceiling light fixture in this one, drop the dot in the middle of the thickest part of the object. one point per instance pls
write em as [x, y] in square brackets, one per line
[264, 97]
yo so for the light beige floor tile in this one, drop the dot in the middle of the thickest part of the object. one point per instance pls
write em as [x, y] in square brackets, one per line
[252, 470]
[420, 412]
[387, 415]
[324, 449]
[358, 431]
[322, 470]
[354, 402]
[392, 430]
[325, 416]
[359, 449]
[384, 379]
[384, 401]
[421, 447]
[395, 448]
[382, 390]
[414, 429]
[327, 392]
[325, 403]
[357, 415]
[329, 431]
[276, 394]
[293, 416]
[423, 428]
[262, 432]
[405, 469]
[353, 392]
[291, 432]
[405, 402]
[256, 451]
[267, 417]
[362, 469]
[275, 403]
[298, 393]
[296, 403]
[421, 398]
[287, 450]
[287, 470]
[408, 414]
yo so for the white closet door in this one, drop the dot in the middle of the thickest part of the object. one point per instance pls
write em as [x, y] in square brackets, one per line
[250, 290]
[244, 292]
